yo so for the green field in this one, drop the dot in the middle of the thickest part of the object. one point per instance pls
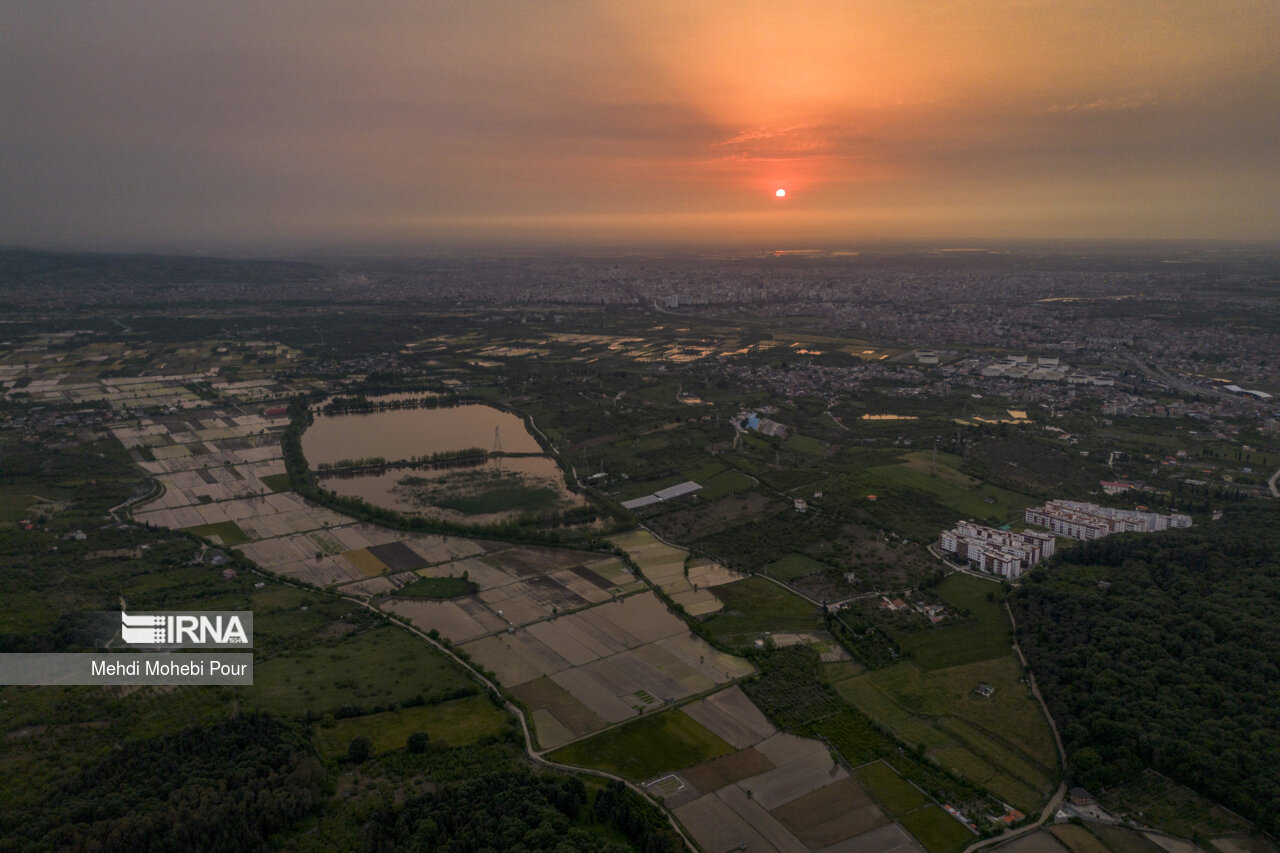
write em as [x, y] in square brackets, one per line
[439, 588]
[1078, 839]
[966, 495]
[723, 484]
[798, 443]
[377, 667]
[503, 497]
[894, 793]
[985, 634]
[480, 492]
[228, 531]
[639, 750]
[13, 507]
[756, 605]
[277, 482]
[457, 722]
[794, 566]
[938, 831]
[1002, 742]
[1121, 840]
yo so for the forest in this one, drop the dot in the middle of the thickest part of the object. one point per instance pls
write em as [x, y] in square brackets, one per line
[1163, 651]
[519, 811]
[227, 787]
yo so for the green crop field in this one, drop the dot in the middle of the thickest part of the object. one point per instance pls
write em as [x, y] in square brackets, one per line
[968, 496]
[457, 722]
[13, 507]
[755, 605]
[984, 635]
[277, 482]
[384, 665]
[1121, 840]
[938, 831]
[794, 566]
[641, 749]
[897, 795]
[723, 484]
[1002, 742]
[228, 531]
[798, 443]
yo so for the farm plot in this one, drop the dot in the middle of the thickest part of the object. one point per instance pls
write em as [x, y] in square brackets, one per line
[614, 660]
[784, 794]
[456, 722]
[772, 792]
[688, 582]
[1001, 741]
[732, 716]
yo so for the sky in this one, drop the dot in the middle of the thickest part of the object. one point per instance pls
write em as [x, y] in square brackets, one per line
[316, 125]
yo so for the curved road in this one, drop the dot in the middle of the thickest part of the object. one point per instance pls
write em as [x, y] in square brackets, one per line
[1271, 484]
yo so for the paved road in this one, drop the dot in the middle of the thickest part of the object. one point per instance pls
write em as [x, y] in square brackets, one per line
[1271, 484]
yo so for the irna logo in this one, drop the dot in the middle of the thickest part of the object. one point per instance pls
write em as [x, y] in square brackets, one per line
[214, 629]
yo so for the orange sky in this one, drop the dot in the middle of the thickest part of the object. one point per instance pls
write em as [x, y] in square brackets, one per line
[297, 125]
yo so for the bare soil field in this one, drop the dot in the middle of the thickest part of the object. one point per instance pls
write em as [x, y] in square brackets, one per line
[731, 715]
[1035, 842]
[545, 695]
[831, 814]
[727, 769]
[715, 826]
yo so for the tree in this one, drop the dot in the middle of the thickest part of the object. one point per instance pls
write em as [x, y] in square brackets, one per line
[360, 750]
[417, 742]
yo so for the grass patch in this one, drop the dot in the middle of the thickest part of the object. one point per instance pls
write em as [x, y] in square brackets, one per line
[794, 566]
[725, 484]
[756, 605]
[896, 794]
[1002, 743]
[457, 723]
[938, 831]
[480, 493]
[984, 635]
[797, 443]
[14, 507]
[439, 588]
[228, 531]
[646, 747]
[364, 670]
[277, 482]
[966, 495]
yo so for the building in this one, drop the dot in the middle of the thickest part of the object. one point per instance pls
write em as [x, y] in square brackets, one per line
[1085, 521]
[997, 552]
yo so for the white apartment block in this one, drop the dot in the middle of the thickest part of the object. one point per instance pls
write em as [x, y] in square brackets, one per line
[1079, 520]
[998, 552]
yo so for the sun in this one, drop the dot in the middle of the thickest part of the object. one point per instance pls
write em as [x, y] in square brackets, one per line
[781, 193]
